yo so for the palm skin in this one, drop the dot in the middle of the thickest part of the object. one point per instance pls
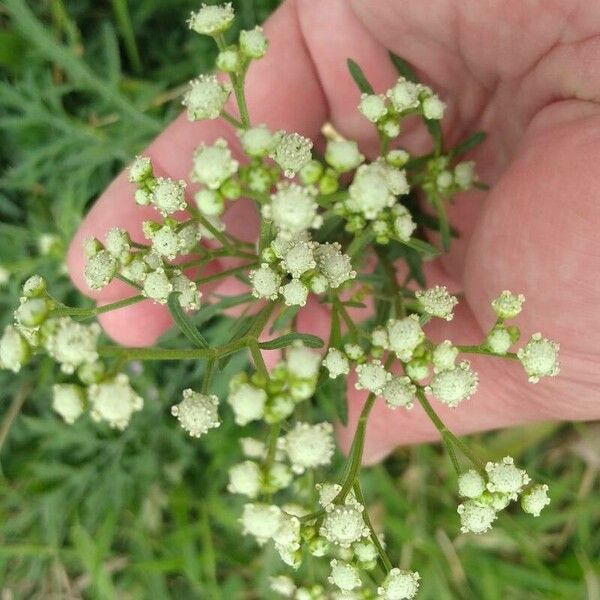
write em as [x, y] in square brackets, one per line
[523, 72]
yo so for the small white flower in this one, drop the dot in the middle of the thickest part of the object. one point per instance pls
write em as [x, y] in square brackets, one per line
[32, 312]
[539, 358]
[329, 491]
[292, 209]
[282, 585]
[302, 362]
[379, 338]
[72, 344]
[403, 224]
[212, 165]
[100, 269]
[258, 141]
[508, 305]
[287, 535]
[298, 258]
[535, 499]
[229, 60]
[464, 175]
[114, 401]
[438, 302]
[344, 525]
[34, 286]
[433, 108]
[165, 242]
[470, 484]
[476, 518]
[188, 236]
[157, 286]
[253, 42]
[372, 376]
[292, 152]
[279, 476]
[369, 193]
[212, 19]
[452, 386]
[209, 202]
[404, 336]
[140, 169]
[399, 391]
[365, 551]
[309, 446]
[404, 95]
[14, 349]
[205, 98]
[168, 196]
[336, 363]
[248, 403]
[344, 575]
[505, 478]
[498, 340]
[68, 401]
[265, 282]
[294, 293]
[353, 351]
[197, 413]
[118, 242]
[189, 295]
[444, 181]
[399, 585]
[333, 264]
[372, 106]
[444, 356]
[252, 448]
[343, 155]
[245, 478]
[261, 521]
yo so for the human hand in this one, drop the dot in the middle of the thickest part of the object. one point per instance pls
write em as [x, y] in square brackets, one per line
[534, 233]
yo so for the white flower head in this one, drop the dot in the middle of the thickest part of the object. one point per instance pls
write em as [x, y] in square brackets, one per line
[433, 108]
[298, 258]
[365, 551]
[292, 152]
[294, 293]
[399, 585]
[344, 575]
[470, 484]
[229, 60]
[258, 141]
[212, 19]
[292, 209]
[213, 165]
[309, 446]
[287, 535]
[372, 107]
[118, 242]
[265, 282]
[32, 312]
[333, 264]
[68, 400]
[539, 358]
[336, 363]
[253, 42]
[157, 286]
[369, 192]
[189, 295]
[140, 169]
[343, 155]
[444, 356]
[248, 403]
[504, 477]
[403, 224]
[329, 491]
[399, 391]
[302, 362]
[100, 269]
[437, 302]
[404, 336]
[372, 376]
[197, 413]
[454, 385]
[165, 242]
[245, 478]
[282, 585]
[535, 499]
[464, 174]
[344, 525]
[476, 517]
[508, 305]
[253, 448]
[205, 98]
[498, 340]
[34, 287]
[404, 95]
[72, 344]
[168, 196]
[354, 351]
[209, 202]
[114, 401]
[261, 521]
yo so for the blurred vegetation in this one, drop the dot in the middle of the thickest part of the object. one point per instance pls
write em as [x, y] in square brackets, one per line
[89, 513]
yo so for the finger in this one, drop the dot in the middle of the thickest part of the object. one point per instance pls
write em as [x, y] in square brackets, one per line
[282, 91]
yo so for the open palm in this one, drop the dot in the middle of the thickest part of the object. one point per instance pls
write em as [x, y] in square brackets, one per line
[525, 73]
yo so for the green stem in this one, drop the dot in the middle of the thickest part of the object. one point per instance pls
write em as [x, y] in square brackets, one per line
[208, 374]
[341, 310]
[359, 242]
[224, 274]
[259, 361]
[272, 446]
[483, 350]
[386, 265]
[387, 563]
[88, 313]
[232, 120]
[128, 281]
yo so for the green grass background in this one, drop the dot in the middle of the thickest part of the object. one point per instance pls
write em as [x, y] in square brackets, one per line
[89, 513]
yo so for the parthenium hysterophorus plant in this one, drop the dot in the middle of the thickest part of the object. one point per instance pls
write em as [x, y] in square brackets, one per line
[332, 228]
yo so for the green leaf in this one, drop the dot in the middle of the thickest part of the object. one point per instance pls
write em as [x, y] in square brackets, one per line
[469, 143]
[426, 250]
[433, 126]
[184, 323]
[312, 341]
[284, 318]
[403, 67]
[331, 396]
[359, 77]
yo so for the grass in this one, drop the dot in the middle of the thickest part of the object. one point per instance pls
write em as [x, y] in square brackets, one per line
[88, 513]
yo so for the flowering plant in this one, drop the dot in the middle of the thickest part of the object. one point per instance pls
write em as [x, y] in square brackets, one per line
[334, 227]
